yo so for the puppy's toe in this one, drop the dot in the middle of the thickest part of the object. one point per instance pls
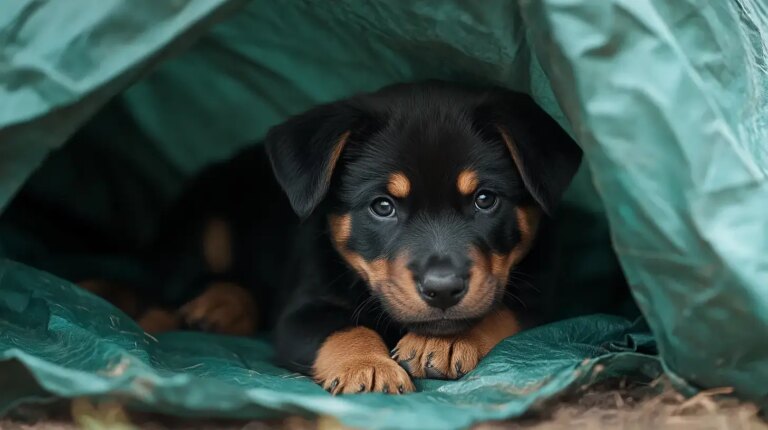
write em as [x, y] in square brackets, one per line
[225, 308]
[437, 357]
[391, 379]
[373, 375]
[121, 296]
[157, 320]
[356, 360]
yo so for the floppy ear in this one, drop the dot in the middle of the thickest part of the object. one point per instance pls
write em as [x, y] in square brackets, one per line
[544, 153]
[305, 149]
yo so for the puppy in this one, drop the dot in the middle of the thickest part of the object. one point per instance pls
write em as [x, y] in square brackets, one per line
[432, 194]
[417, 205]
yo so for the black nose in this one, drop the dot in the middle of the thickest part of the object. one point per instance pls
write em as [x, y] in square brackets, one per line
[442, 288]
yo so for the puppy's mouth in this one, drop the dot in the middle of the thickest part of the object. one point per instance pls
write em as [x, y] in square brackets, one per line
[441, 327]
[416, 317]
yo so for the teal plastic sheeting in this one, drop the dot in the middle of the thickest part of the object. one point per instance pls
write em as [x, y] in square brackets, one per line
[75, 344]
[669, 101]
[60, 63]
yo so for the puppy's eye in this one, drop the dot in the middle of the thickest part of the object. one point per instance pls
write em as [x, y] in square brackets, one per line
[383, 207]
[485, 200]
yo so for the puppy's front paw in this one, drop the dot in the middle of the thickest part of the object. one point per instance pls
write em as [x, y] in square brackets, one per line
[451, 357]
[225, 308]
[158, 320]
[121, 296]
[356, 361]
[377, 374]
[438, 357]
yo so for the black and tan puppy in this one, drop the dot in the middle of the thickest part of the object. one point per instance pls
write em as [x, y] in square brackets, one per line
[432, 194]
[417, 204]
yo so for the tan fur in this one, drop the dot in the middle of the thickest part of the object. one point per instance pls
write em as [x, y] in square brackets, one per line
[512, 148]
[467, 182]
[390, 278]
[121, 296]
[357, 360]
[528, 222]
[483, 286]
[399, 186]
[453, 356]
[399, 289]
[157, 320]
[217, 246]
[225, 307]
[489, 273]
[335, 155]
[341, 228]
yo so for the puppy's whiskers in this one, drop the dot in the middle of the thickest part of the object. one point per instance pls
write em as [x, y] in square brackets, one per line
[384, 315]
[520, 277]
[359, 309]
[511, 295]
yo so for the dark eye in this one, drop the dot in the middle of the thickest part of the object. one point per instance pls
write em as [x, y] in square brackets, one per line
[383, 207]
[485, 200]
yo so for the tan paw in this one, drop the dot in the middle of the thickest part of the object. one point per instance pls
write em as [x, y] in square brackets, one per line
[437, 357]
[356, 361]
[451, 357]
[375, 374]
[225, 308]
[158, 320]
[121, 296]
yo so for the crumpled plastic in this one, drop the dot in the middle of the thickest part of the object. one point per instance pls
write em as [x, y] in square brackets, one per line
[57, 339]
[667, 99]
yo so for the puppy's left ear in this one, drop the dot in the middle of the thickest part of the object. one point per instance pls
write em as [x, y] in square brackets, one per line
[544, 153]
[305, 150]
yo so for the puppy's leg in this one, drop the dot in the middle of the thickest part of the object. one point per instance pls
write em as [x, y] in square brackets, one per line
[452, 356]
[356, 360]
[121, 296]
[317, 339]
[224, 307]
[158, 320]
[202, 248]
[152, 319]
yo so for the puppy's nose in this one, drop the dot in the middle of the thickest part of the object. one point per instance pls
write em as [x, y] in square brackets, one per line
[441, 287]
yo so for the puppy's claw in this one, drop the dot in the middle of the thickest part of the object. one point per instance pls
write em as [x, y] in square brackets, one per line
[459, 372]
[200, 325]
[334, 384]
[429, 360]
[396, 355]
[365, 367]
[433, 373]
[224, 308]
[439, 358]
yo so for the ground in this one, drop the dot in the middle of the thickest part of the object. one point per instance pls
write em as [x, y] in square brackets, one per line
[614, 406]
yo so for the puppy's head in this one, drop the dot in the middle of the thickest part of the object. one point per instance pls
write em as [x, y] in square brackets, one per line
[434, 191]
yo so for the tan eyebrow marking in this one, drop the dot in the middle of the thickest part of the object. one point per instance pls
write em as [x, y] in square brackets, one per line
[467, 182]
[399, 186]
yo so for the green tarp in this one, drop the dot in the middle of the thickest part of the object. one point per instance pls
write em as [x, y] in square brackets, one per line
[667, 99]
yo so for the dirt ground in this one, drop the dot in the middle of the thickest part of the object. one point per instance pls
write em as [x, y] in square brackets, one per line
[616, 406]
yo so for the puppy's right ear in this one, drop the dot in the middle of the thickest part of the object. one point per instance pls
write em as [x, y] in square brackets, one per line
[305, 150]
